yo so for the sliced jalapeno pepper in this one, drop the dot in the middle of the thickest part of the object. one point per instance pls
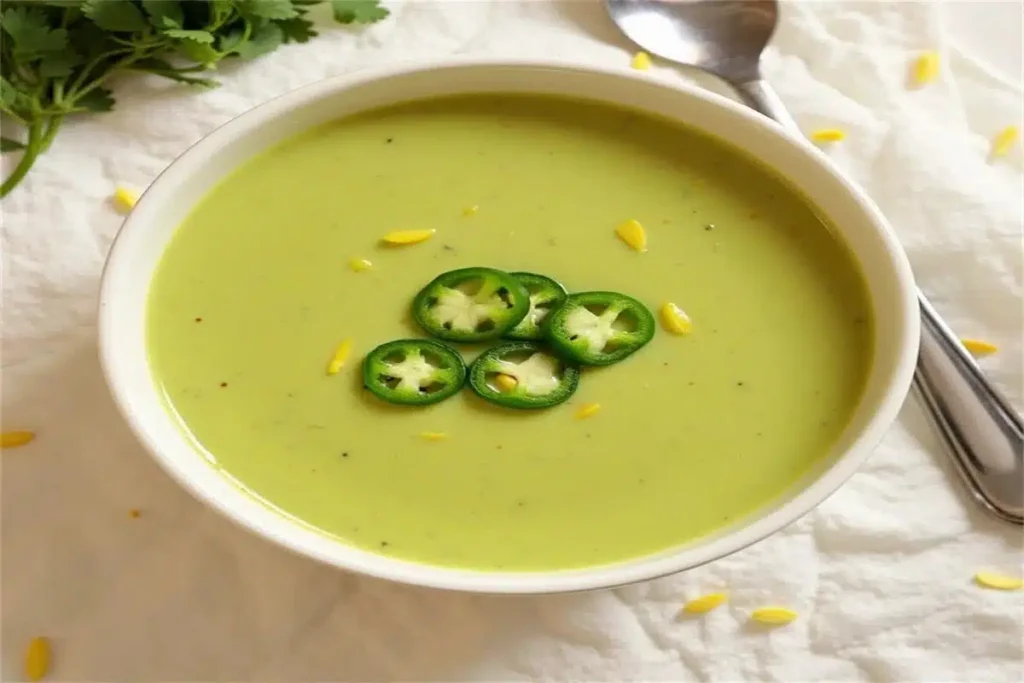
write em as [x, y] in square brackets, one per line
[599, 328]
[471, 304]
[413, 372]
[523, 374]
[545, 296]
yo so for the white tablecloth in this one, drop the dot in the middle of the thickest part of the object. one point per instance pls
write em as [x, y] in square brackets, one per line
[881, 573]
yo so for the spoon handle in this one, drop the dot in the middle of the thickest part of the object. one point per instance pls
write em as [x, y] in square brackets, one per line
[981, 430]
[760, 96]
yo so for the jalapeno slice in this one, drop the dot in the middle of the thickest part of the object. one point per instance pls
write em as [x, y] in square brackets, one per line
[545, 296]
[413, 372]
[599, 328]
[539, 379]
[471, 304]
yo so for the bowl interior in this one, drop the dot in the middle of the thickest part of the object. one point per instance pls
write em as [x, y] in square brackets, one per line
[141, 242]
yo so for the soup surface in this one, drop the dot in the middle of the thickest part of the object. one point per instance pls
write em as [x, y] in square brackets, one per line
[255, 292]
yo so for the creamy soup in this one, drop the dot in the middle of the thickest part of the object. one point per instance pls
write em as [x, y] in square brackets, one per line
[694, 432]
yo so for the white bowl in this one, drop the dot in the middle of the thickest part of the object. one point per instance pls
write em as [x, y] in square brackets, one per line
[145, 233]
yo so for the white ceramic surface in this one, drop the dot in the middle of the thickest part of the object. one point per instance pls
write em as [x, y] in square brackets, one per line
[139, 245]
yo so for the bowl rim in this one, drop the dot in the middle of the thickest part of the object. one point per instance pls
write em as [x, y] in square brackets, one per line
[759, 527]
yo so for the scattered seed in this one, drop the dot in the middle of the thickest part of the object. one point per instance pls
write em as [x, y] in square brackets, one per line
[505, 383]
[828, 135]
[359, 265]
[633, 234]
[774, 616]
[1002, 143]
[341, 355]
[587, 410]
[470, 210]
[433, 436]
[223, 384]
[16, 438]
[979, 347]
[641, 61]
[125, 199]
[998, 581]
[674, 319]
[403, 237]
[925, 68]
[199, 320]
[704, 603]
[134, 513]
[37, 658]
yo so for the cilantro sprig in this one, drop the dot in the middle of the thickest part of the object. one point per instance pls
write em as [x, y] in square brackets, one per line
[57, 56]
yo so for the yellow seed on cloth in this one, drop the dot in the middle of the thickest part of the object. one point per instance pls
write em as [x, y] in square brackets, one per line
[433, 436]
[340, 356]
[359, 265]
[925, 68]
[1002, 143]
[641, 61]
[470, 210]
[633, 234]
[774, 616]
[16, 438]
[125, 199]
[828, 135]
[704, 603]
[505, 383]
[403, 237]
[37, 659]
[675, 320]
[587, 410]
[998, 581]
[979, 347]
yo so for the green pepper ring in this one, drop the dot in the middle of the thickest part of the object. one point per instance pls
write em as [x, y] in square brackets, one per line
[488, 363]
[375, 367]
[564, 343]
[553, 293]
[518, 304]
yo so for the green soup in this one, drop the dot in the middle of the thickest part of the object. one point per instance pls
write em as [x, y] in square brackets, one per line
[255, 292]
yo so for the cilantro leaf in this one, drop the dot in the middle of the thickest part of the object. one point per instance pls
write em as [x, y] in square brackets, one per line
[30, 32]
[268, 9]
[297, 30]
[10, 145]
[115, 15]
[358, 11]
[199, 52]
[97, 99]
[266, 38]
[58, 64]
[204, 37]
[164, 13]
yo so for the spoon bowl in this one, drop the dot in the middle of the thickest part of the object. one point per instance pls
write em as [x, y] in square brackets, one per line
[723, 37]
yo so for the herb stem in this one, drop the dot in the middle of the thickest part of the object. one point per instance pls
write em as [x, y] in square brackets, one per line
[32, 150]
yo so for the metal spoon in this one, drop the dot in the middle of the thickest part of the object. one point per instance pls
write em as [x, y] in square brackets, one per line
[982, 431]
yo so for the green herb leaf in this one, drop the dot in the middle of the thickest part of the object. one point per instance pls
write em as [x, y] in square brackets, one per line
[159, 67]
[164, 13]
[268, 9]
[115, 15]
[97, 99]
[202, 53]
[358, 11]
[57, 64]
[10, 145]
[204, 37]
[297, 30]
[31, 34]
[265, 39]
